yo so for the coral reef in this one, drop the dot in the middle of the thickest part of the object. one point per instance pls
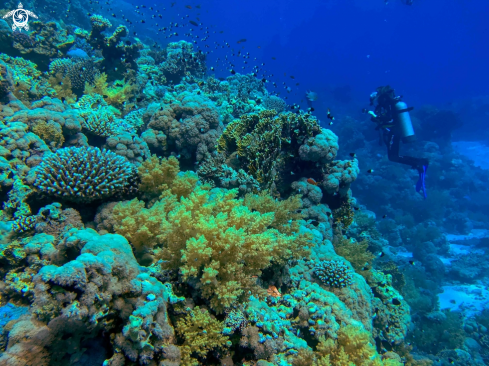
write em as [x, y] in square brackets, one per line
[227, 229]
[190, 123]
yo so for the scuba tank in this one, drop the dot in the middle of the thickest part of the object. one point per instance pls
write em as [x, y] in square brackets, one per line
[404, 122]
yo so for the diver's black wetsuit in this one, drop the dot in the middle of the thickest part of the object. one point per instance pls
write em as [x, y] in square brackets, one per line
[391, 135]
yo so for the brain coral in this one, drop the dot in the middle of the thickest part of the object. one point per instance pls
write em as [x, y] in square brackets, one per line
[83, 174]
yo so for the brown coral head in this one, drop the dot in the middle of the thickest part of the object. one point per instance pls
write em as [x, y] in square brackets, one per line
[23, 39]
[272, 291]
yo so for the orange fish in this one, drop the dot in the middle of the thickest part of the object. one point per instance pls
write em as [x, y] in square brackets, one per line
[312, 181]
[272, 291]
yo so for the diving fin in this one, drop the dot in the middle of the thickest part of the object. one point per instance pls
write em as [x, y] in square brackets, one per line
[420, 183]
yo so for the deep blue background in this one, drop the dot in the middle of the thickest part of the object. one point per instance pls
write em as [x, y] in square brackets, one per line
[433, 51]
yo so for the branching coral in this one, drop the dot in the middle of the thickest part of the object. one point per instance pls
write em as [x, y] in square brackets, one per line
[100, 119]
[83, 174]
[334, 273]
[201, 333]
[265, 142]
[214, 171]
[80, 71]
[274, 102]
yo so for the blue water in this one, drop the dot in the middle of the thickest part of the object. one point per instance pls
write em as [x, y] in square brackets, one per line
[406, 267]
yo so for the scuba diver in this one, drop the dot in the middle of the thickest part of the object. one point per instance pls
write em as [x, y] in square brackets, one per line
[394, 124]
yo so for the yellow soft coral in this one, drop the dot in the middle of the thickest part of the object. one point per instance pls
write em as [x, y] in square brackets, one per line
[50, 132]
[213, 237]
[62, 86]
[352, 348]
[356, 253]
[115, 95]
[156, 174]
[202, 333]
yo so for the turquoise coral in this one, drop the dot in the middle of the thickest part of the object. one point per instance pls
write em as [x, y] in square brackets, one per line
[334, 273]
[83, 174]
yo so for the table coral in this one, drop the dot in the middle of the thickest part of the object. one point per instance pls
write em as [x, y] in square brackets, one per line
[83, 174]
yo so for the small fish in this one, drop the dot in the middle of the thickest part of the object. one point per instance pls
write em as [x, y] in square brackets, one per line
[356, 208]
[451, 361]
[310, 109]
[328, 214]
[194, 23]
[353, 155]
[273, 58]
[412, 263]
[331, 123]
[315, 223]
[396, 302]
[292, 77]
[384, 216]
[381, 254]
[330, 116]
[241, 40]
[188, 6]
[370, 171]
[312, 181]
[232, 72]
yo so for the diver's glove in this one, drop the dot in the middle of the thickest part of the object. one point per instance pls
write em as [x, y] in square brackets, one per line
[420, 183]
